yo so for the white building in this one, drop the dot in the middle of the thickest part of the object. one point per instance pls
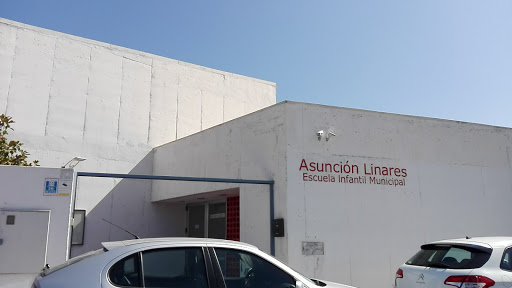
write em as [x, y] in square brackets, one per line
[71, 96]
[358, 200]
[357, 191]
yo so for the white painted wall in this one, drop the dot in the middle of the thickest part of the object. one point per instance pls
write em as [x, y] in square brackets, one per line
[457, 183]
[71, 96]
[251, 147]
[255, 216]
[23, 190]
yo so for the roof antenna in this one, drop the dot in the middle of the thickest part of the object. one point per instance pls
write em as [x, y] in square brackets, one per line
[136, 237]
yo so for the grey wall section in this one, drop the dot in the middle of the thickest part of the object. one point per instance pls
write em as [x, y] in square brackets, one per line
[251, 147]
[71, 96]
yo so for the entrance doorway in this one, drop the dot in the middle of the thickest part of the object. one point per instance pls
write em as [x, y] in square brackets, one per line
[219, 219]
[207, 220]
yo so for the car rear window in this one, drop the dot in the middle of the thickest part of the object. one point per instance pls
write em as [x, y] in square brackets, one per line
[451, 256]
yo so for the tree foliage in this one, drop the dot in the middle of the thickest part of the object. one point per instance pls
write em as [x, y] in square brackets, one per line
[10, 151]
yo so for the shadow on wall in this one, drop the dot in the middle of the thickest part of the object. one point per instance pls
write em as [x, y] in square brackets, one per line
[128, 205]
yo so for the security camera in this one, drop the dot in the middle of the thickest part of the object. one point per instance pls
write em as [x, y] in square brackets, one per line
[320, 134]
[332, 134]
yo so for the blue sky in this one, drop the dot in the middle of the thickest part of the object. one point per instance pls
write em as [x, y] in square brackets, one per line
[448, 59]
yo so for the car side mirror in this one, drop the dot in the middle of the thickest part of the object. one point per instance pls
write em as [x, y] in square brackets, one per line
[299, 284]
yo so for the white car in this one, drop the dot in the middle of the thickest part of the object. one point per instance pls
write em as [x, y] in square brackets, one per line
[175, 262]
[479, 262]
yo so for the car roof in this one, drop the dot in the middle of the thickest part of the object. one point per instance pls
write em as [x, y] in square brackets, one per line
[174, 241]
[493, 241]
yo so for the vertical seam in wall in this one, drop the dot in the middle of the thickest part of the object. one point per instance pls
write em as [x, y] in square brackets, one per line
[177, 109]
[120, 100]
[150, 101]
[52, 79]
[12, 67]
[224, 99]
[87, 93]
[10, 76]
[201, 118]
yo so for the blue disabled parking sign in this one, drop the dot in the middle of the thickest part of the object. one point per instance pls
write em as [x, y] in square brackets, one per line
[51, 187]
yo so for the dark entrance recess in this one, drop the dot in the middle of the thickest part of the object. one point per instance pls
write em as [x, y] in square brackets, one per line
[229, 220]
[196, 221]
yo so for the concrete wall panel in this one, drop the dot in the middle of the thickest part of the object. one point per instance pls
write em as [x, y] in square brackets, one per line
[124, 213]
[7, 47]
[234, 100]
[103, 98]
[255, 216]
[68, 91]
[198, 77]
[189, 109]
[211, 105]
[30, 84]
[164, 97]
[135, 103]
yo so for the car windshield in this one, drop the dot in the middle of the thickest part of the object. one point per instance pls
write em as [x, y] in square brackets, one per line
[451, 256]
[47, 271]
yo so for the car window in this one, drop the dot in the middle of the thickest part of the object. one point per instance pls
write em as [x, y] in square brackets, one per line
[245, 270]
[458, 254]
[450, 256]
[72, 261]
[506, 260]
[126, 273]
[177, 268]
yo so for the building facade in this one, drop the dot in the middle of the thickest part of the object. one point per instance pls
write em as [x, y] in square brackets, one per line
[358, 191]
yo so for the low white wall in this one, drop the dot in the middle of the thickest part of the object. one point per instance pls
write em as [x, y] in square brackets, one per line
[23, 189]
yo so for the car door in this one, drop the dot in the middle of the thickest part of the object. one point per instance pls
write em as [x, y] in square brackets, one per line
[243, 269]
[176, 267]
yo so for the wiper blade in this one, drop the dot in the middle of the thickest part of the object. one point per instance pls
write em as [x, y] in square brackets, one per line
[437, 265]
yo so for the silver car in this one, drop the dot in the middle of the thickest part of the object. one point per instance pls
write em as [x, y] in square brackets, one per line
[175, 262]
[479, 262]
